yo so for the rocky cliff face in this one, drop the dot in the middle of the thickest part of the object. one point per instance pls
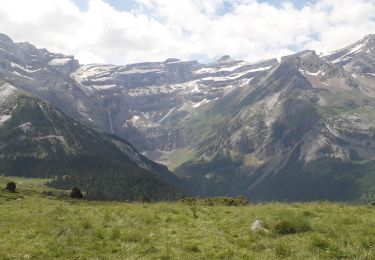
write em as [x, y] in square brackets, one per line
[38, 140]
[358, 57]
[230, 127]
[142, 102]
[146, 102]
[305, 111]
[47, 75]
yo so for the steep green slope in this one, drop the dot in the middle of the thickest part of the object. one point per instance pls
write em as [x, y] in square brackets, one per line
[38, 140]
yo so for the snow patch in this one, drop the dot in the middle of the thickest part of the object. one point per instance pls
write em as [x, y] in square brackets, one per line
[140, 71]
[312, 73]
[236, 75]
[134, 120]
[27, 68]
[5, 91]
[57, 137]
[18, 74]
[6, 51]
[59, 61]
[4, 118]
[93, 71]
[222, 69]
[206, 70]
[25, 127]
[259, 69]
[168, 114]
[355, 49]
[195, 89]
[102, 87]
[204, 101]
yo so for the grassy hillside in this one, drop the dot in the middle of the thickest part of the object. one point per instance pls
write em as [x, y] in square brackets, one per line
[36, 226]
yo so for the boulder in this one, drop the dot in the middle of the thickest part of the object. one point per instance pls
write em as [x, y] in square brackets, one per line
[258, 226]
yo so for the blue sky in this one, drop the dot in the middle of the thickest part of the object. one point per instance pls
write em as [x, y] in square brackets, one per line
[121, 5]
[126, 5]
[127, 31]
[297, 3]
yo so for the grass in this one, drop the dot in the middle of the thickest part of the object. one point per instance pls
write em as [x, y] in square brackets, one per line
[180, 156]
[33, 226]
[337, 104]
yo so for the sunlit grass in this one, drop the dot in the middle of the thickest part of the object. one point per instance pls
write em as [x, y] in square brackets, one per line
[42, 227]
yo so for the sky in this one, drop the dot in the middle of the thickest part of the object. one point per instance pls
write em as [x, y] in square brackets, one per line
[129, 31]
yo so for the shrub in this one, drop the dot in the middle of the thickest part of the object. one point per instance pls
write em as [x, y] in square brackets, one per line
[76, 193]
[47, 193]
[215, 201]
[192, 248]
[144, 199]
[291, 225]
[63, 195]
[11, 186]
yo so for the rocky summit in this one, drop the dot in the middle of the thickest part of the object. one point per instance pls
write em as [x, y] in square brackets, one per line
[298, 128]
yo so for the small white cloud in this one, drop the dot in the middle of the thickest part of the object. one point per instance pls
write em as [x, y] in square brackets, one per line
[159, 29]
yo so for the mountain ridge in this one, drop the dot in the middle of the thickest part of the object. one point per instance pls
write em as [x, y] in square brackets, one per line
[38, 140]
[230, 127]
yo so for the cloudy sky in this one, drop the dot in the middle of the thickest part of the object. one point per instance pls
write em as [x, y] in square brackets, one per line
[125, 31]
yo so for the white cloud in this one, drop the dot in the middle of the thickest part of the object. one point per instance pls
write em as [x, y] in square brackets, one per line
[186, 29]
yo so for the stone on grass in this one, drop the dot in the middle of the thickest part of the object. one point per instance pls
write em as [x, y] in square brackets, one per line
[258, 226]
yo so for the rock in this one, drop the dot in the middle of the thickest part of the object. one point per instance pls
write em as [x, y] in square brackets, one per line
[258, 226]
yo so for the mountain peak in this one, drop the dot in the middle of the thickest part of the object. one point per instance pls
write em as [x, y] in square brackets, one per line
[369, 36]
[306, 54]
[225, 59]
[5, 39]
[344, 56]
[364, 44]
[172, 60]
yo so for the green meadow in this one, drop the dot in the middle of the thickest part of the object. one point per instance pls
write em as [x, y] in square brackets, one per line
[35, 224]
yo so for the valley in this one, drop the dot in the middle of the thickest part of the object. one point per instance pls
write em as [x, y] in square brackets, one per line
[297, 128]
[189, 129]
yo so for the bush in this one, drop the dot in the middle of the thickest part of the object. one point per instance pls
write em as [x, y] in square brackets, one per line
[63, 195]
[11, 186]
[291, 225]
[144, 199]
[215, 201]
[76, 193]
[47, 193]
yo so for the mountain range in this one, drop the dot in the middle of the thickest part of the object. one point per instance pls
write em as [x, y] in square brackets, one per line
[38, 140]
[298, 128]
